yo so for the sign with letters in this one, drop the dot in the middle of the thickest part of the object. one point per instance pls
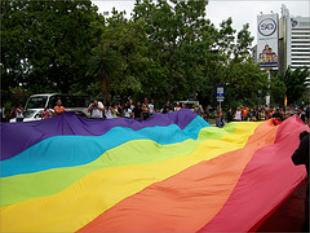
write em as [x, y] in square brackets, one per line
[267, 40]
[220, 93]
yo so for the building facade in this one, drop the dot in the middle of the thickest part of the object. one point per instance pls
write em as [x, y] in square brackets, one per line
[294, 40]
[292, 46]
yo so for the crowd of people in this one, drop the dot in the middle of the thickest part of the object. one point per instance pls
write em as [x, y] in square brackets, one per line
[141, 110]
[278, 114]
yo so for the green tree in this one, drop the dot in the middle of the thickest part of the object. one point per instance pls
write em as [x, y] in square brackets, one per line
[233, 67]
[278, 90]
[294, 81]
[166, 50]
[225, 40]
[118, 62]
[246, 84]
[46, 44]
[180, 39]
[243, 45]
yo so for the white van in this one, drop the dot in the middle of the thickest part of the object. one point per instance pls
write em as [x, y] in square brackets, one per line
[77, 104]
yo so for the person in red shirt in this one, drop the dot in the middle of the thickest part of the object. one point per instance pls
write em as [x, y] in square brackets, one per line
[59, 109]
[245, 111]
[45, 114]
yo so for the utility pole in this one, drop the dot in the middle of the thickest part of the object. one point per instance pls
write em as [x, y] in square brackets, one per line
[268, 94]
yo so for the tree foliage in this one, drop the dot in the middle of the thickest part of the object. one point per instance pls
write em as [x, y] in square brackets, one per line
[294, 81]
[277, 90]
[291, 84]
[165, 50]
[45, 44]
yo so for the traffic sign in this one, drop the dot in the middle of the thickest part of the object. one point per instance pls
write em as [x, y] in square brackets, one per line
[220, 93]
[220, 99]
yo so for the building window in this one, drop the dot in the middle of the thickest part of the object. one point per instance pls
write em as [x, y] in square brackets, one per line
[301, 50]
[301, 46]
[301, 54]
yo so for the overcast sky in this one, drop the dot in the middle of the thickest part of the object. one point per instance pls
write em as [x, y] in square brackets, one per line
[241, 11]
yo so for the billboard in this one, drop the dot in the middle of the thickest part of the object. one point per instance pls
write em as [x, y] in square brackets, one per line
[267, 40]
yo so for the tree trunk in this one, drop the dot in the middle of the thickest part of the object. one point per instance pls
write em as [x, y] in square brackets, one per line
[105, 89]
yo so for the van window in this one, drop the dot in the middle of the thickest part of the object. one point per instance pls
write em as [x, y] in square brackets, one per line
[77, 101]
[37, 102]
[69, 101]
[29, 113]
[53, 99]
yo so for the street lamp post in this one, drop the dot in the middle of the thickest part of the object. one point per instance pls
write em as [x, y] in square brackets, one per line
[268, 94]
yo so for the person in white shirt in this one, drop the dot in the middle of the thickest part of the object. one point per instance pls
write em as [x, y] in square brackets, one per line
[127, 111]
[151, 107]
[19, 113]
[111, 112]
[177, 107]
[108, 113]
[131, 104]
[238, 115]
[96, 109]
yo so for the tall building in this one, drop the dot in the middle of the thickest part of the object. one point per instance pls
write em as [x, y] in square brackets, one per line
[282, 42]
[294, 40]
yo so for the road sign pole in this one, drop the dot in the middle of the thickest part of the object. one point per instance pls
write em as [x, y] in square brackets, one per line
[220, 95]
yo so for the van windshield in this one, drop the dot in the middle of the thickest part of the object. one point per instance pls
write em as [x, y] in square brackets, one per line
[29, 113]
[69, 101]
[37, 102]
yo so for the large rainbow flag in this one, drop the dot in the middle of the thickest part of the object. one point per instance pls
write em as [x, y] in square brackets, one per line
[170, 173]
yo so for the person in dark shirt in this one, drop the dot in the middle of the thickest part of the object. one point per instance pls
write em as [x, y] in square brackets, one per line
[145, 111]
[308, 115]
[277, 117]
[137, 111]
[229, 115]
[301, 114]
[277, 114]
[301, 157]
[219, 119]
[166, 107]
